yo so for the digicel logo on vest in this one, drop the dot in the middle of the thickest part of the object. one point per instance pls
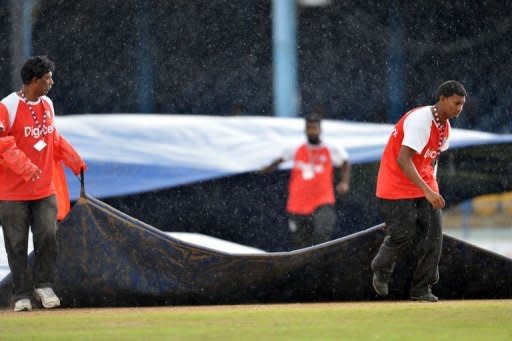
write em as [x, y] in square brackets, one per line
[37, 132]
[430, 154]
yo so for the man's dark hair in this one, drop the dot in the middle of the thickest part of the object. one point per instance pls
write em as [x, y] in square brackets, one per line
[450, 88]
[37, 67]
[313, 118]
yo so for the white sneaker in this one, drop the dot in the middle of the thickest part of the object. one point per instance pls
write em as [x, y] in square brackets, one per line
[23, 305]
[47, 297]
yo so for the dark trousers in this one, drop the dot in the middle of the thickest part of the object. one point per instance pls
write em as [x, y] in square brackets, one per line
[307, 230]
[412, 224]
[16, 218]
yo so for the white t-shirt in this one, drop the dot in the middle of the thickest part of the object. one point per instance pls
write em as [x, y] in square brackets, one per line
[417, 130]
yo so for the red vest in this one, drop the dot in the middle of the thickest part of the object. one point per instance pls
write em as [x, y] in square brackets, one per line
[391, 182]
[311, 180]
[26, 135]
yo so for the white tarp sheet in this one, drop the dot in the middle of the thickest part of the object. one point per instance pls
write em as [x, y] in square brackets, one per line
[132, 153]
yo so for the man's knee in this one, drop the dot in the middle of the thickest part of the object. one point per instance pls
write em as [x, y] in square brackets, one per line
[401, 236]
[324, 217]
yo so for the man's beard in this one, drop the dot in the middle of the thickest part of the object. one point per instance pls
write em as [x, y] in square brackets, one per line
[314, 140]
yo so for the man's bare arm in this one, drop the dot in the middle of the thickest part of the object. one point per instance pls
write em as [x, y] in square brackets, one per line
[407, 166]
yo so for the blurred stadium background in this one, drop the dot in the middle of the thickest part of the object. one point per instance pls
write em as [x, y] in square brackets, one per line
[357, 60]
[365, 61]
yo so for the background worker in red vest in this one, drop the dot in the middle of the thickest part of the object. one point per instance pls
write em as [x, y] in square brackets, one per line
[410, 200]
[311, 196]
[29, 148]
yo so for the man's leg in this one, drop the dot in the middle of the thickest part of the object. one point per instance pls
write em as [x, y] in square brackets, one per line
[301, 231]
[428, 251]
[324, 219]
[15, 218]
[400, 218]
[44, 229]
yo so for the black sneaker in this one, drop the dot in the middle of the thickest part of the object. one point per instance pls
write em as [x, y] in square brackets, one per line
[428, 297]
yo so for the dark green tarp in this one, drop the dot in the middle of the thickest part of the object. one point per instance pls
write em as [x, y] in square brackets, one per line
[107, 258]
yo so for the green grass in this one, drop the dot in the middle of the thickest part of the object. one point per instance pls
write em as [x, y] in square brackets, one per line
[448, 320]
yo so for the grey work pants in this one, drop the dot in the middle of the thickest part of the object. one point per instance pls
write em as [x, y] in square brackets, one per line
[412, 224]
[16, 218]
[307, 230]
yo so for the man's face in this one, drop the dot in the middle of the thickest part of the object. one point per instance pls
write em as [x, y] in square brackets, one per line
[44, 84]
[452, 105]
[313, 132]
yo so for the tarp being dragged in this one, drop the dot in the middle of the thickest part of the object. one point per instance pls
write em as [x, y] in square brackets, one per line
[107, 258]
